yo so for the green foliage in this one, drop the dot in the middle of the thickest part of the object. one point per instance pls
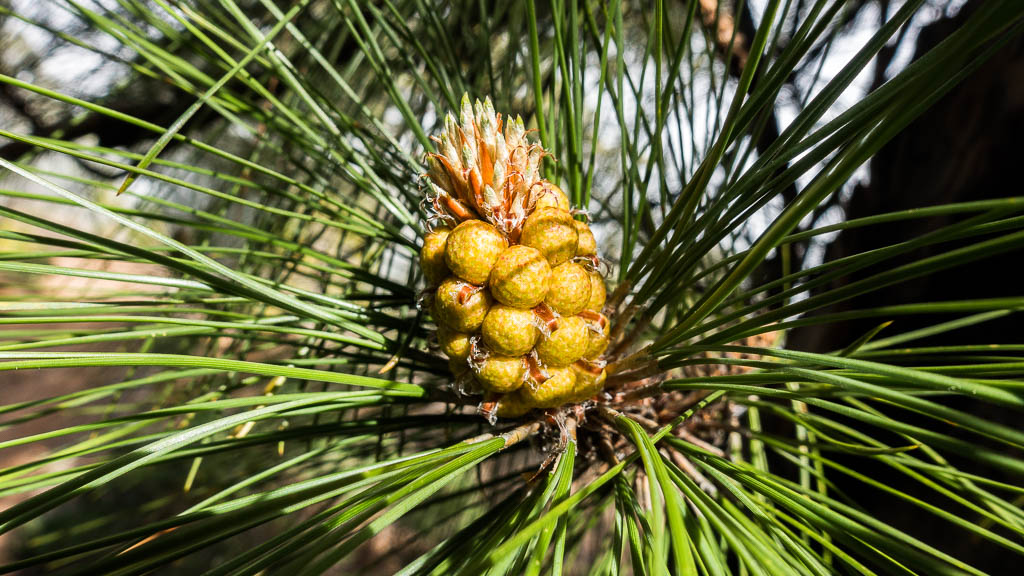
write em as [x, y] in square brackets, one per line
[259, 390]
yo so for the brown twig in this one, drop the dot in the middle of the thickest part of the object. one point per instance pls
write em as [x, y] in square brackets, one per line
[634, 361]
[632, 395]
[520, 433]
[727, 38]
[686, 466]
[607, 450]
[689, 437]
[621, 322]
[623, 345]
[620, 293]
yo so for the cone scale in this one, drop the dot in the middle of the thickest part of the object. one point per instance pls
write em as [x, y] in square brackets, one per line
[516, 297]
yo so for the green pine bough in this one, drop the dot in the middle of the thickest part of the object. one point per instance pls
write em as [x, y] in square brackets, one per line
[288, 295]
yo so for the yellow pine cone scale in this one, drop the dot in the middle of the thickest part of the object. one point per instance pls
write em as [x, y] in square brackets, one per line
[586, 244]
[472, 249]
[460, 306]
[455, 345]
[552, 232]
[509, 330]
[501, 373]
[590, 380]
[566, 344]
[432, 262]
[513, 405]
[597, 334]
[521, 277]
[550, 196]
[569, 293]
[598, 292]
[555, 390]
[458, 366]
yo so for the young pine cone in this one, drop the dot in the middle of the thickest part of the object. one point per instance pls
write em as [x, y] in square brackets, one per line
[515, 290]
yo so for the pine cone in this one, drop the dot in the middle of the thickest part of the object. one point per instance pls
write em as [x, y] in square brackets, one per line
[516, 293]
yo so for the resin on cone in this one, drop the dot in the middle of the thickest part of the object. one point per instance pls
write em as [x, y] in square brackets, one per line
[472, 249]
[521, 277]
[552, 232]
[509, 330]
[460, 306]
[570, 289]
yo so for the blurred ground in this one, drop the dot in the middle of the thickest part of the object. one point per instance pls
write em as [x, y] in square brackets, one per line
[24, 386]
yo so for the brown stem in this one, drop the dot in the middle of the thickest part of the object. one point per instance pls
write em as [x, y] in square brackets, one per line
[607, 451]
[641, 378]
[570, 428]
[722, 26]
[686, 435]
[621, 322]
[680, 406]
[607, 413]
[618, 296]
[520, 433]
[478, 439]
[633, 395]
[647, 423]
[641, 358]
[623, 345]
[686, 466]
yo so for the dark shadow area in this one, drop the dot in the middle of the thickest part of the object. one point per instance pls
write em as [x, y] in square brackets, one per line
[965, 148]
